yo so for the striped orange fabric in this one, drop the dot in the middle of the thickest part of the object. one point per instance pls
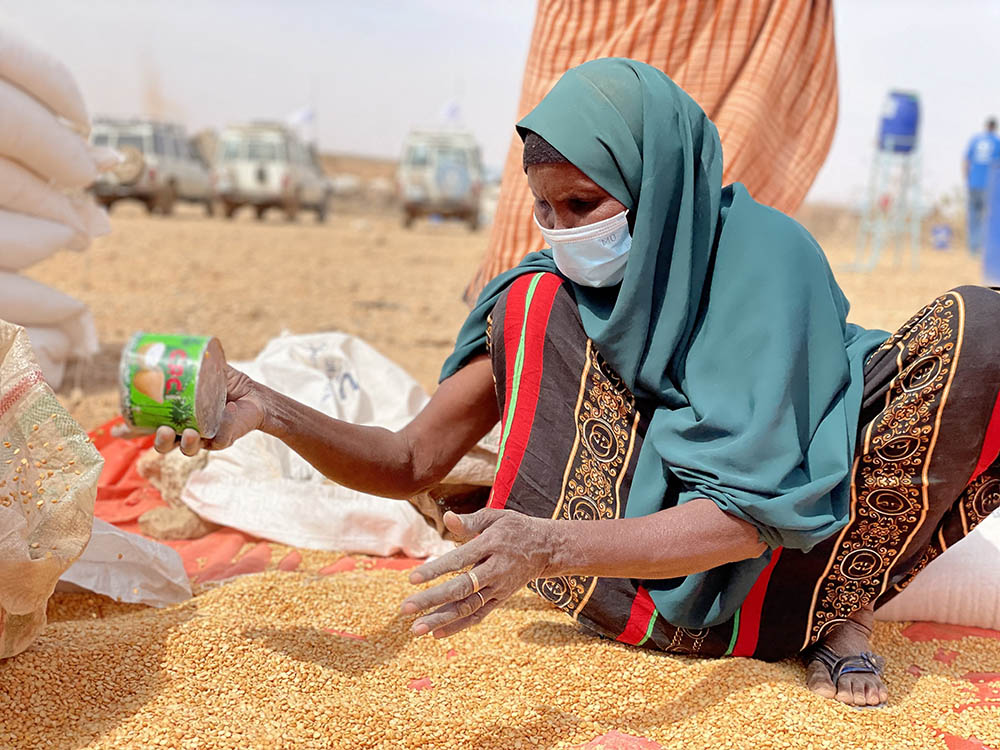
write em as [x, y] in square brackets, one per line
[764, 71]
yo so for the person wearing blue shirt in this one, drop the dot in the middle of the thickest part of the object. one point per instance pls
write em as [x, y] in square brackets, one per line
[982, 154]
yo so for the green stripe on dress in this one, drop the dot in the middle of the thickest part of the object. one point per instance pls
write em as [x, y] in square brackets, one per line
[518, 367]
[649, 628]
[736, 632]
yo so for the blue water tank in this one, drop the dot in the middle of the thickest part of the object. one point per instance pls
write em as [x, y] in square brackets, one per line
[897, 130]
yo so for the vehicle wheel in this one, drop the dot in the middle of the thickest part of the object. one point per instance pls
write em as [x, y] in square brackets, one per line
[229, 209]
[209, 207]
[292, 207]
[322, 210]
[261, 210]
[166, 199]
[408, 218]
[151, 204]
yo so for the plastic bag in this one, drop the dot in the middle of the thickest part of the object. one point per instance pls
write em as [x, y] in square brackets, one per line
[48, 482]
[128, 568]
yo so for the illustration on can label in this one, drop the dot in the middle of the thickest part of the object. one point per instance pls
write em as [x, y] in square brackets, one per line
[160, 380]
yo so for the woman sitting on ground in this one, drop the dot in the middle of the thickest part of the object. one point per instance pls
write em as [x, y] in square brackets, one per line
[698, 454]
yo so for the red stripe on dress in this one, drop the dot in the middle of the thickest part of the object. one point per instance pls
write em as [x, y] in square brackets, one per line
[535, 325]
[991, 442]
[750, 612]
[638, 619]
[512, 320]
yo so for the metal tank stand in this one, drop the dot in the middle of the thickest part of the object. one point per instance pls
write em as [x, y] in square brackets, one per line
[892, 210]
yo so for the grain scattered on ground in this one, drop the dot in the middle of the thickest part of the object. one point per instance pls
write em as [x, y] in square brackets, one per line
[296, 660]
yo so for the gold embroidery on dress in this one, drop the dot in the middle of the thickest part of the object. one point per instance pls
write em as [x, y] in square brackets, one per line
[981, 498]
[696, 637]
[607, 421]
[888, 477]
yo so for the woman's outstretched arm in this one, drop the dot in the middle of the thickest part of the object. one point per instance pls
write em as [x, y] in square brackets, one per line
[368, 459]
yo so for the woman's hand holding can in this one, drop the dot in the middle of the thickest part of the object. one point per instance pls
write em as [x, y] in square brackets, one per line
[244, 412]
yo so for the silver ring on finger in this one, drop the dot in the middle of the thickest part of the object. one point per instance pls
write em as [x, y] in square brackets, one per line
[482, 599]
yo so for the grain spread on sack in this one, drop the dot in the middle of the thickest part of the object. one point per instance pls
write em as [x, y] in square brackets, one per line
[300, 660]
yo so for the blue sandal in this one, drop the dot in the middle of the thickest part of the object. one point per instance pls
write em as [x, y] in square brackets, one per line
[864, 663]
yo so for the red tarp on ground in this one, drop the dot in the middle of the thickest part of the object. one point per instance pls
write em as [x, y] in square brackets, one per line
[123, 495]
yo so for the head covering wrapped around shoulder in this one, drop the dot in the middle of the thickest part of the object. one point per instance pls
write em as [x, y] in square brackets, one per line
[728, 319]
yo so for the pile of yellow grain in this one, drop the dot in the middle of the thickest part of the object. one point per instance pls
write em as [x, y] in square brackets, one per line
[296, 660]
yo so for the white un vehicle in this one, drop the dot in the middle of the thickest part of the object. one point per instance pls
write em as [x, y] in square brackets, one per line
[266, 165]
[162, 165]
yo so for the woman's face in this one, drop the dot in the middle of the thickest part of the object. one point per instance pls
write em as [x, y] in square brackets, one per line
[566, 198]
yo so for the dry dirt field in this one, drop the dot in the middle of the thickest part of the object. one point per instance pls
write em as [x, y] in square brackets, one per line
[246, 281]
[309, 659]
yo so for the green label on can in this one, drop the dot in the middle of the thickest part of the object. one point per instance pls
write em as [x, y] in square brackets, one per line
[160, 378]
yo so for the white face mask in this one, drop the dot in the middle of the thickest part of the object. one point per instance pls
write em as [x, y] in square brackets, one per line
[594, 254]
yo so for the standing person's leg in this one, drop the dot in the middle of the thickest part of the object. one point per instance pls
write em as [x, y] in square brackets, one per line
[976, 220]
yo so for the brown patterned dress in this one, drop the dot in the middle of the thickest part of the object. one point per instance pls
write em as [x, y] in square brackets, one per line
[925, 471]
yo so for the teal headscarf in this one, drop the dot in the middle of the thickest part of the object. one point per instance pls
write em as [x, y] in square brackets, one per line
[728, 318]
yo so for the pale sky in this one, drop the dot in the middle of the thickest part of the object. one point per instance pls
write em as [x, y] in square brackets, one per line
[375, 68]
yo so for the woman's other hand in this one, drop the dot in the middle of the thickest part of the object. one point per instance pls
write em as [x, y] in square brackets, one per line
[507, 550]
[244, 412]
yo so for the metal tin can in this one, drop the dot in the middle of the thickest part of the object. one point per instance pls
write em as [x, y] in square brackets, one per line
[174, 380]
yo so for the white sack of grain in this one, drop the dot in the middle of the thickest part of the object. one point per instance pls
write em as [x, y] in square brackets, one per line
[28, 302]
[49, 315]
[57, 344]
[52, 348]
[961, 587]
[32, 135]
[128, 568]
[262, 487]
[23, 192]
[106, 158]
[26, 240]
[44, 77]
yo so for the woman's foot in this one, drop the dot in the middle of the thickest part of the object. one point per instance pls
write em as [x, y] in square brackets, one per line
[849, 638]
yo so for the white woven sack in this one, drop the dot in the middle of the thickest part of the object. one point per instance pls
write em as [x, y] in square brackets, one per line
[961, 587]
[128, 568]
[27, 302]
[24, 192]
[45, 520]
[32, 135]
[262, 487]
[52, 316]
[41, 75]
[26, 240]
[52, 348]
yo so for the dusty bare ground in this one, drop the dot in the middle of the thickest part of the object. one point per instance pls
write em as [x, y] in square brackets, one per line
[246, 281]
